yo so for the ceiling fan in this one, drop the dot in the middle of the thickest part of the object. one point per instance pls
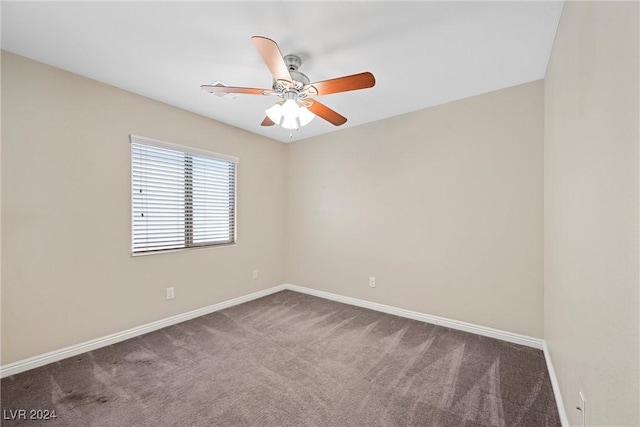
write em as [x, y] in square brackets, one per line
[296, 108]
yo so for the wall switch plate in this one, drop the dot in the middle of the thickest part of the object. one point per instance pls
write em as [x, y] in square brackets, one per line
[372, 282]
[255, 274]
[171, 293]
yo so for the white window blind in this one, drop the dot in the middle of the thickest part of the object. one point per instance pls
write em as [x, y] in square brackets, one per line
[181, 198]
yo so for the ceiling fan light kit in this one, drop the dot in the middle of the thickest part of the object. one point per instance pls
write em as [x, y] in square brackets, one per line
[296, 109]
[290, 114]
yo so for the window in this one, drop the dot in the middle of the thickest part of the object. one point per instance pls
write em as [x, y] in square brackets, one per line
[181, 197]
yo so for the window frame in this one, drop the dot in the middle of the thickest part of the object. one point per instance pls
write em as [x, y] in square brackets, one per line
[194, 152]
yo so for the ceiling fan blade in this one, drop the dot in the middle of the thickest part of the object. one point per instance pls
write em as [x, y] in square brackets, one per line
[231, 89]
[267, 122]
[271, 56]
[326, 113]
[343, 84]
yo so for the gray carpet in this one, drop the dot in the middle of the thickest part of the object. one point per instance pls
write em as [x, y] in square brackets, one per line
[290, 359]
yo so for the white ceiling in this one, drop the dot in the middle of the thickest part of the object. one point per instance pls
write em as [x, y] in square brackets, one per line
[421, 53]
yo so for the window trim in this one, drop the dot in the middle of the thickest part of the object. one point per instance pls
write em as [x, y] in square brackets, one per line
[184, 148]
[188, 150]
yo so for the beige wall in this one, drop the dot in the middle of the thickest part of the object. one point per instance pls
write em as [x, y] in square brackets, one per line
[443, 206]
[67, 272]
[440, 205]
[591, 210]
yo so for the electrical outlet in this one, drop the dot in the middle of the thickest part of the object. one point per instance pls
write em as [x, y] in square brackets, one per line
[255, 274]
[171, 293]
[582, 407]
[372, 282]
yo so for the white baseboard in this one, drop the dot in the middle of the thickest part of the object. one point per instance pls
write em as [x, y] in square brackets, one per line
[564, 421]
[54, 356]
[428, 318]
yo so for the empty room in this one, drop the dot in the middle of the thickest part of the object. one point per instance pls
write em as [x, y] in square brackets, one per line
[320, 213]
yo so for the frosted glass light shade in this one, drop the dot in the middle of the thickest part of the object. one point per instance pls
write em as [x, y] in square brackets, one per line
[305, 116]
[290, 122]
[290, 108]
[275, 113]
